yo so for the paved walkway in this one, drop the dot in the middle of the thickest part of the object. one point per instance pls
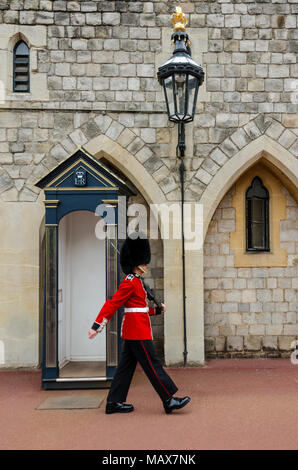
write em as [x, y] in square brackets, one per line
[235, 404]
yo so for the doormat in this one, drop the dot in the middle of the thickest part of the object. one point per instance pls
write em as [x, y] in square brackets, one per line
[71, 402]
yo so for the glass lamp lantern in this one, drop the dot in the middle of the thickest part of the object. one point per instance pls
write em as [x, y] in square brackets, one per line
[180, 76]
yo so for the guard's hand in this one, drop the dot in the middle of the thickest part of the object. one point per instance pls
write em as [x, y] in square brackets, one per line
[92, 333]
[159, 309]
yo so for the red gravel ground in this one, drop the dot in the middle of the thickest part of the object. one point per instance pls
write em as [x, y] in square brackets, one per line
[235, 404]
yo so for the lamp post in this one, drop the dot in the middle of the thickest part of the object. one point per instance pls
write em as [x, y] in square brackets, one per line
[181, 78]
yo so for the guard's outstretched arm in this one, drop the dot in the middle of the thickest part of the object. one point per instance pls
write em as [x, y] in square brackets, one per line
[125, 290]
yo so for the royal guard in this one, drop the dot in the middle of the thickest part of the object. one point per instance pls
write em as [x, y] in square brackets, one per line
[136, 330]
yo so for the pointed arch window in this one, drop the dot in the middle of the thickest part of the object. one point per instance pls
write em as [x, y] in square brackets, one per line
[21, 73]
[257, 216]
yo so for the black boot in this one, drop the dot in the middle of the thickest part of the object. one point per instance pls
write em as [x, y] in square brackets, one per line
[116, 407]
[175, 403]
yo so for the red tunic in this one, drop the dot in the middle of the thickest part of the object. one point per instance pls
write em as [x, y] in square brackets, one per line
[131, 293]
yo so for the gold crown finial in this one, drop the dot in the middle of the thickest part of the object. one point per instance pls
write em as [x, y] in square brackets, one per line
[179, 20]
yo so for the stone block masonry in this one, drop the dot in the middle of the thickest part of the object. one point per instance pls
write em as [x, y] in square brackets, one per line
[93, 75]
[249, 311]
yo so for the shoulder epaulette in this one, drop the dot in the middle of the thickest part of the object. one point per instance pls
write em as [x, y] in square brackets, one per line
[129, 277]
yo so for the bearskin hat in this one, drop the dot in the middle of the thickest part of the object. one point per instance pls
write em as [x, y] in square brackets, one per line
[135, 251]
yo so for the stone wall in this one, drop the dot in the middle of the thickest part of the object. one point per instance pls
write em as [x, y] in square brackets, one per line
[93, 71]
[102, 57]
[249, 311]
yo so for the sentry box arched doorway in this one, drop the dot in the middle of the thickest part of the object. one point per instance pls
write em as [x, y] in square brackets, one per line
[81, 271]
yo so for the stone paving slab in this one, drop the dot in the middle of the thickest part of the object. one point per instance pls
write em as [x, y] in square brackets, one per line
[71, 402]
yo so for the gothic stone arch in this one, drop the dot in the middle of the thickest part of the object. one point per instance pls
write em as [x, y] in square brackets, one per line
[104, 136]
[282, 163]
[280, 160]
[150, 190]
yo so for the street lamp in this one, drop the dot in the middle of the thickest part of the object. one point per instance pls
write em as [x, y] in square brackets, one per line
[181, 78]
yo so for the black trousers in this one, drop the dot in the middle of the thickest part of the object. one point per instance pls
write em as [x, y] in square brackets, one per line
[141, 351]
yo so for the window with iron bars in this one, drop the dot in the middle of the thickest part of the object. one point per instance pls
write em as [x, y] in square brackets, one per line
[21, 72]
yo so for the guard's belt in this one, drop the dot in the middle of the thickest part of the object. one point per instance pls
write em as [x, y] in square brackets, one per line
[136, 309]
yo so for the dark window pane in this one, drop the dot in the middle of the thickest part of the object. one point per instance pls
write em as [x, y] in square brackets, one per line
[257, 216]
[21, 87]
[21, 77]
[21, 70]
[258, 236]
[22, 48]
[21, 60]
[257, 210]
[257, 189]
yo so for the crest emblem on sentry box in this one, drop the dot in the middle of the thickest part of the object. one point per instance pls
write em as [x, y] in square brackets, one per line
[80, 177]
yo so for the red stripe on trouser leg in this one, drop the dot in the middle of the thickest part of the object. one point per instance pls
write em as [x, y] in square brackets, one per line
[155, 371]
